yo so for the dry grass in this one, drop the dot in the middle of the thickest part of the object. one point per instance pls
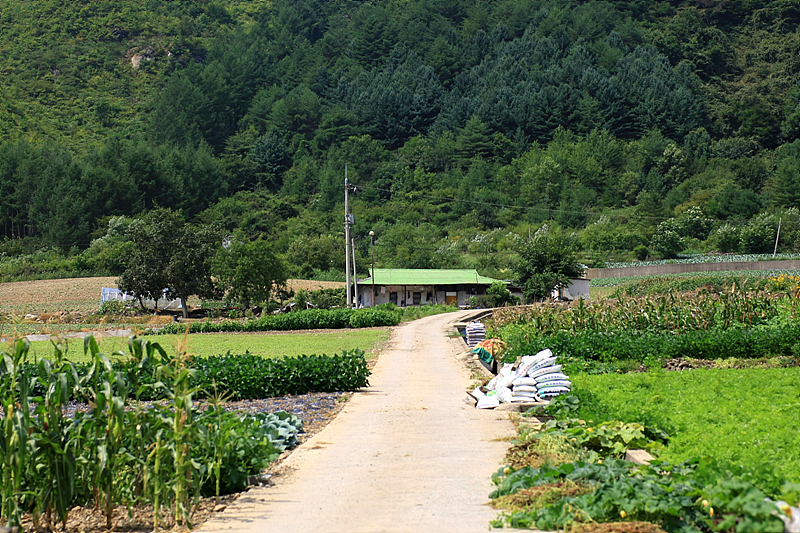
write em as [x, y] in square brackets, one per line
[310, 285]
[83, 294]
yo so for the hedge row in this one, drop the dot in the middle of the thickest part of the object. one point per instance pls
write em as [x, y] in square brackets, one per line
[618, 345]
[238, 377]
[297, 320]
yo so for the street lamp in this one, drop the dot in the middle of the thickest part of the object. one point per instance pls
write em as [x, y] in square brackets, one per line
[372, 252]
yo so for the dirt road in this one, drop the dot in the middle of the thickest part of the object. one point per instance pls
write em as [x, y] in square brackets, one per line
[407, 455]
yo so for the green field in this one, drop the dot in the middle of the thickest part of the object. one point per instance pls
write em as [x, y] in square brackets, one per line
[266, 345]
[746, 417]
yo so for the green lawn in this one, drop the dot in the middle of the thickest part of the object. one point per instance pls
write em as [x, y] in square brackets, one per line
[266, 345]
[749, 418]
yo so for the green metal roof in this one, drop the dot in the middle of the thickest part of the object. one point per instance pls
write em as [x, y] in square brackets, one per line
[421, 276]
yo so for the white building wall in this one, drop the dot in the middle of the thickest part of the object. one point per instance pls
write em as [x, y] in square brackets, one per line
[577, 288]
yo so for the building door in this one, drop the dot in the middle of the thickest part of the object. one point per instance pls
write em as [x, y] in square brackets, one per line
[451, 298]
[417, 296]
[393, 297]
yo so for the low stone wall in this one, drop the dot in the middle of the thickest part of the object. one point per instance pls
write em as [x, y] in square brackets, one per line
[681, 268]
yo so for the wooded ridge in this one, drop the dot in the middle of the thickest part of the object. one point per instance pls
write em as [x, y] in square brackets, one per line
[648, 127]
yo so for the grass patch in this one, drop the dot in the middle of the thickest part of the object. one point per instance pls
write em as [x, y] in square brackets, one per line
[747, 417]
[265, 345]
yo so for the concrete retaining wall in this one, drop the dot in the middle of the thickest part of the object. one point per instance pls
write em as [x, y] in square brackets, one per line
[660, 270]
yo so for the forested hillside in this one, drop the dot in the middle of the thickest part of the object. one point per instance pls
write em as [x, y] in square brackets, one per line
[647, 127]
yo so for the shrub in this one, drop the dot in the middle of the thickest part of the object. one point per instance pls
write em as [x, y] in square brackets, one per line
[114, 307]
[666, 240]
[367, 318]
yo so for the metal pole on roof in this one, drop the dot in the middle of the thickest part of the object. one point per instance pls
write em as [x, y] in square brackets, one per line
[347, 238]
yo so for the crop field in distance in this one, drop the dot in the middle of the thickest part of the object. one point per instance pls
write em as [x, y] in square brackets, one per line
[268, 344]
[82, 295]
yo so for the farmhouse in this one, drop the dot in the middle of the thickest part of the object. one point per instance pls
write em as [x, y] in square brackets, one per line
[415, 286]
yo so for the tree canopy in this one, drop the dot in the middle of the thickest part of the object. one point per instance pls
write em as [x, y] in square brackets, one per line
[546, 263]
[464, 127]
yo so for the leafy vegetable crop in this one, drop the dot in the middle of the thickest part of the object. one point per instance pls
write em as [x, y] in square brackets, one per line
[691, 496]
[249, 376]
[746, 417]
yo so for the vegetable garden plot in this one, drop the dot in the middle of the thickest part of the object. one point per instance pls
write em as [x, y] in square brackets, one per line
[124, 451]
[748, 417]
[724, 463]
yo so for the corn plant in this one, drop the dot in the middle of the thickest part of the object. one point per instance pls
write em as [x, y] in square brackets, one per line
[160, 454]
[14, 439]
[107, 415]
[52, 449]
[186, 472]
[704, 311]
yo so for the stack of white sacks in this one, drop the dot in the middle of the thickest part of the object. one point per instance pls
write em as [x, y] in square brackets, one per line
[476, 332]
[536, 378]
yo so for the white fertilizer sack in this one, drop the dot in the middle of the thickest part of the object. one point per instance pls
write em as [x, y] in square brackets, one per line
[557, 383]
[545, 370]
[553, 376]
[543, 363]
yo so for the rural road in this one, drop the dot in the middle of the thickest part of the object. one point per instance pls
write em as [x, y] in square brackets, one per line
[406, 455]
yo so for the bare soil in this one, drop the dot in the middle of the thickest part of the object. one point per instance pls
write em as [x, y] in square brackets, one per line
[53, 295]
[82, 295]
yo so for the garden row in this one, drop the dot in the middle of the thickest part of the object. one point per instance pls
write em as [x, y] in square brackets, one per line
[124, 451]
[298, 320]
[234, 376]
[629, 331]
[624, 349]
[690, 281]
[674, 312]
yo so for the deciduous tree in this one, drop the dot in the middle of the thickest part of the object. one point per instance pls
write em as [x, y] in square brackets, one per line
[248, 272]
[547, 262]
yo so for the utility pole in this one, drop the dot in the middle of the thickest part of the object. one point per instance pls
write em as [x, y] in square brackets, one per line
[777, 236]
[355, 271]
[347, 238]
[372, 252]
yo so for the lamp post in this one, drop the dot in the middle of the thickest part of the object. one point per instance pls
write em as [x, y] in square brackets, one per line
[372, 252]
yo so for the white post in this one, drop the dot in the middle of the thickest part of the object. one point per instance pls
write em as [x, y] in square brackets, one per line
[347, 238]
[777, 236]
[355, 272]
